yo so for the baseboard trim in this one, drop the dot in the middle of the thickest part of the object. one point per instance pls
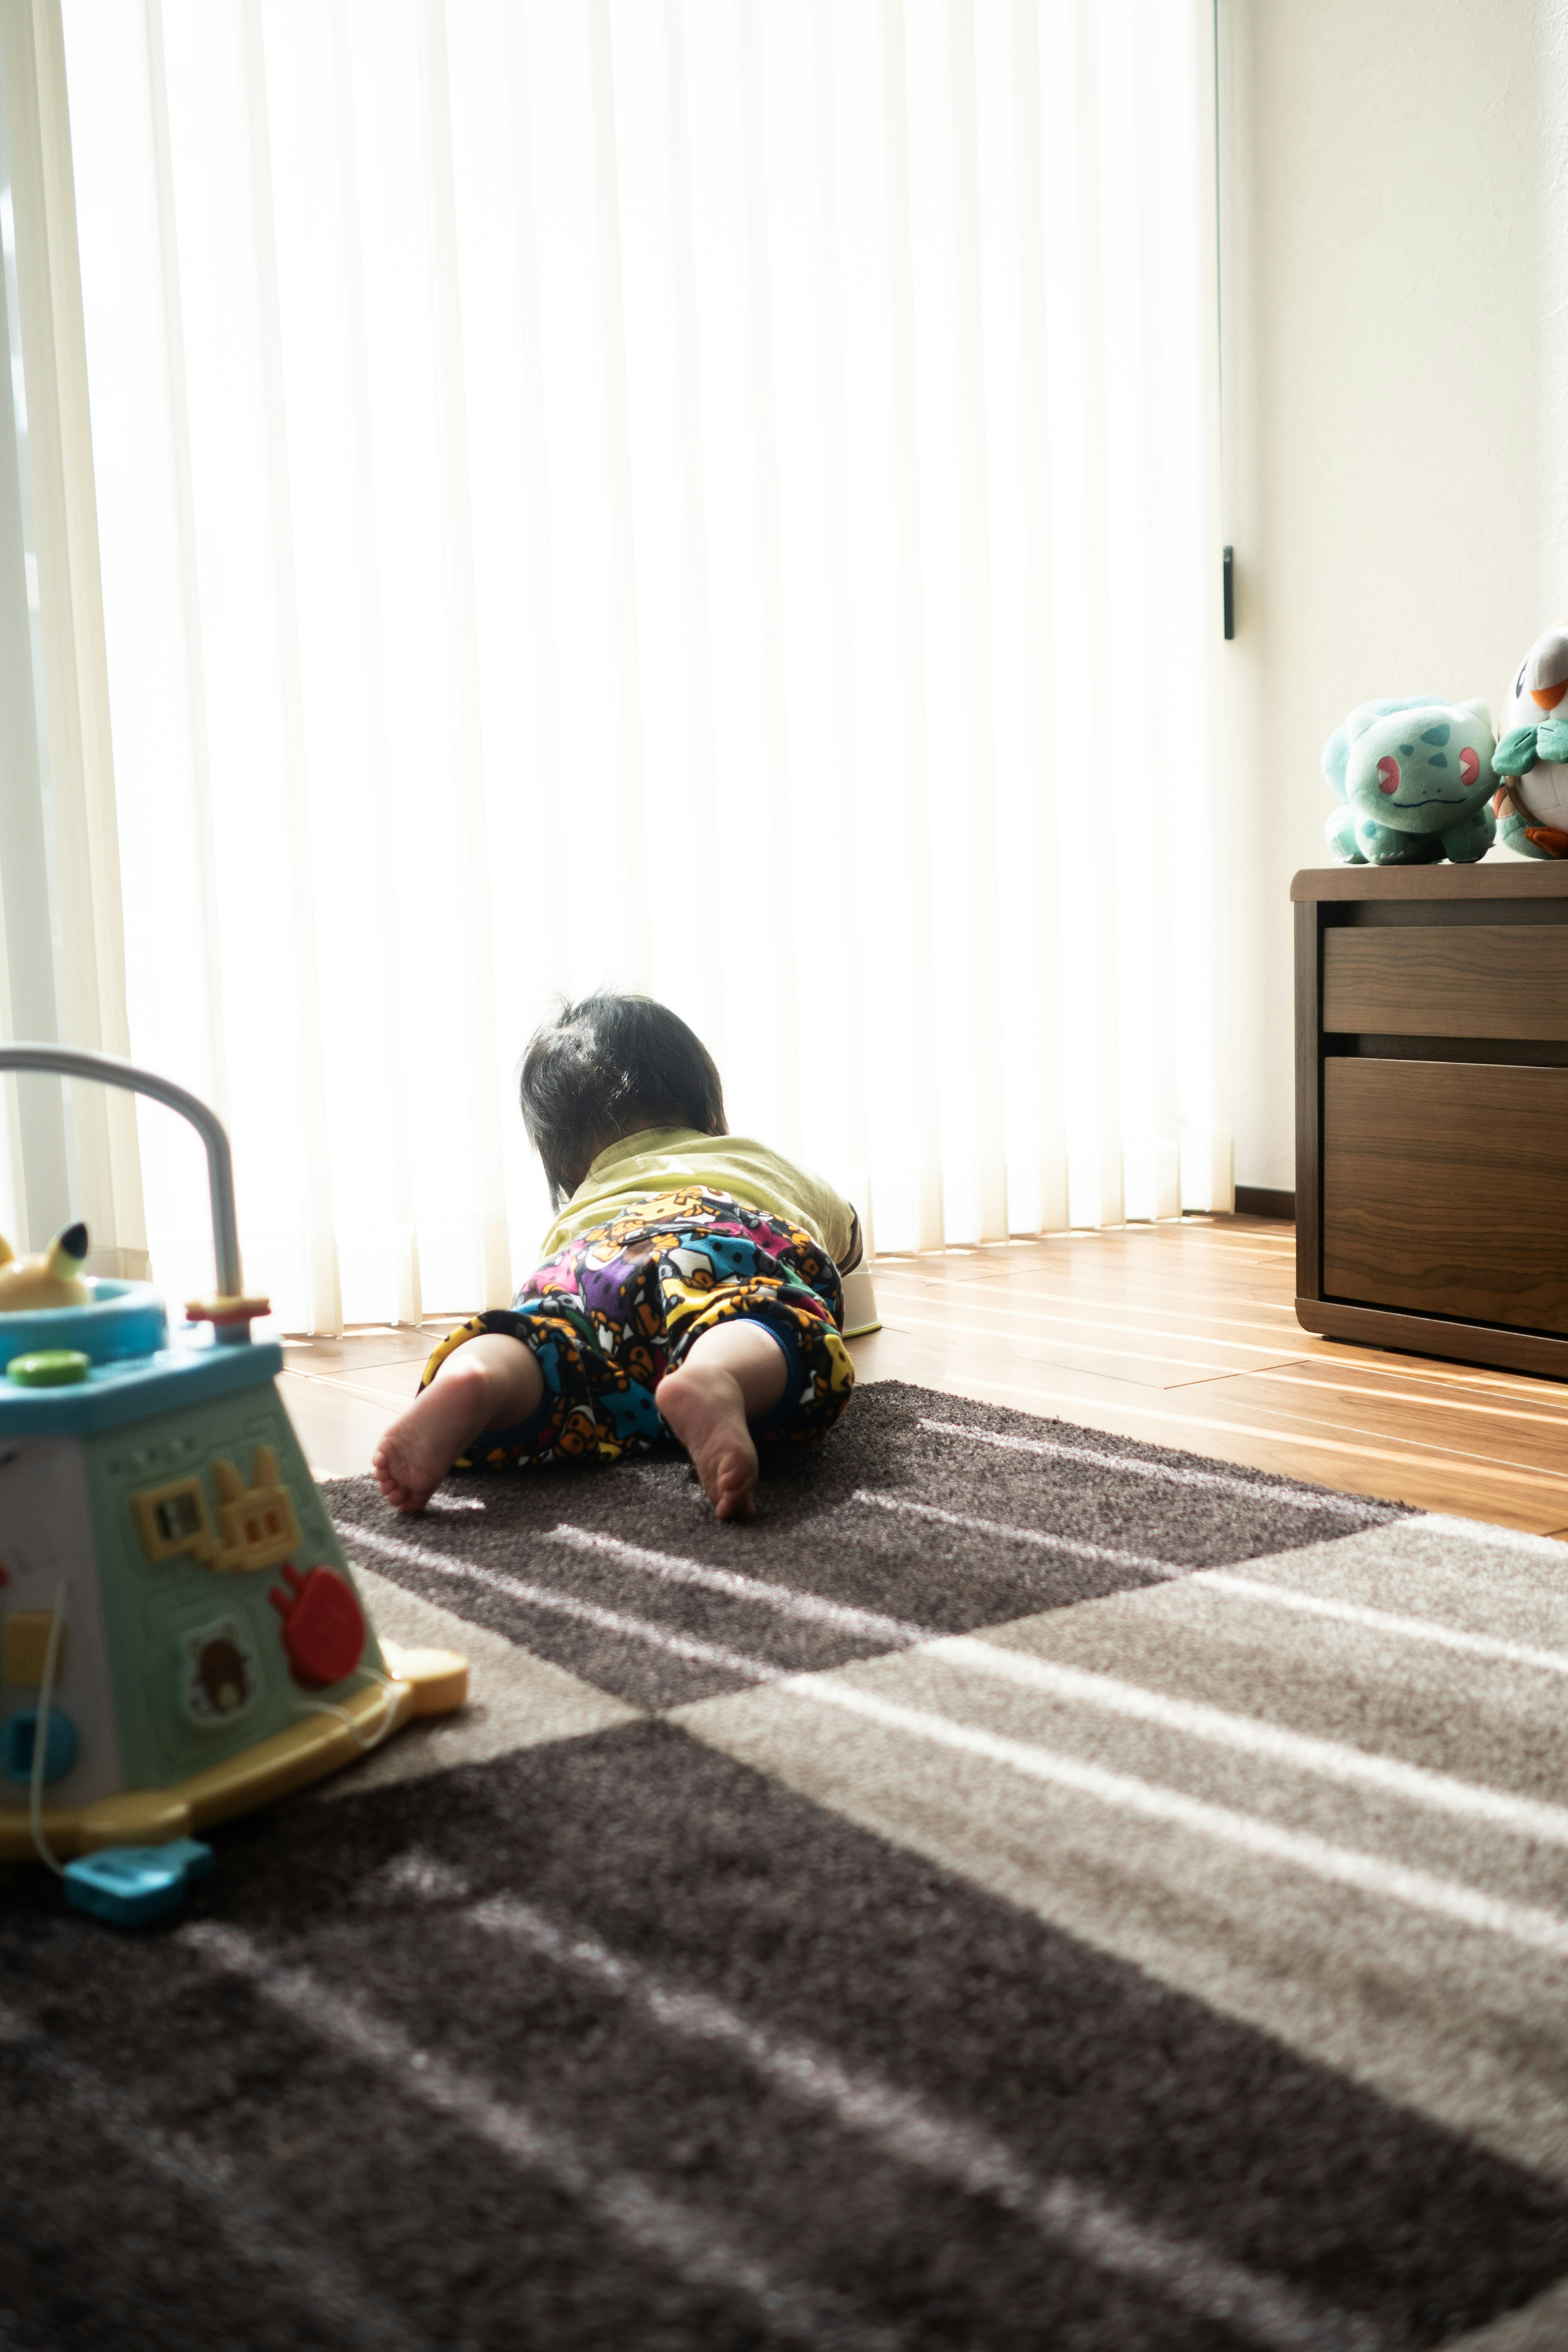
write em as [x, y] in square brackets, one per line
[1257, 1200]
[1534, 1353]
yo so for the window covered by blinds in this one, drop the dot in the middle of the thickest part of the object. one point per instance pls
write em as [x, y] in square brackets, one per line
[714, 496]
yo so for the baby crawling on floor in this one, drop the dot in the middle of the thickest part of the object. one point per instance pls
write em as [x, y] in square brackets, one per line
[690, 1283]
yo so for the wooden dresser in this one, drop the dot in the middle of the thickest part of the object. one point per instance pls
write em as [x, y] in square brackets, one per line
[1432, 1110]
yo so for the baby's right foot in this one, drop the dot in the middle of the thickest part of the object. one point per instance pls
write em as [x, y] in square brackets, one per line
[422, 1445]
[705, 1406]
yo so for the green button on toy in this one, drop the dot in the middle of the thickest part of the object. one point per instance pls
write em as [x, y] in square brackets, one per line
[51, 1367]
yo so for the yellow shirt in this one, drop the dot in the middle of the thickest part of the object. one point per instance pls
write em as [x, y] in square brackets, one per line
[663, 1160]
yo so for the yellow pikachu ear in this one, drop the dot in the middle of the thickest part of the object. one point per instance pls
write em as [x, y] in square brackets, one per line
[6, 1252]
[66, 1252]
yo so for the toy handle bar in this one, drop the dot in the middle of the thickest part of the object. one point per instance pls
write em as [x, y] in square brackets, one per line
[66, 1062]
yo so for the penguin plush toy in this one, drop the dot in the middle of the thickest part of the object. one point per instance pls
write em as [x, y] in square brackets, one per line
[1531, 759]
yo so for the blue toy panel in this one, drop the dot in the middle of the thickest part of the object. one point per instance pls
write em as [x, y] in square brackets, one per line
[122, 1320]
[229, 1611]
[116, 1394]
[133, 1372]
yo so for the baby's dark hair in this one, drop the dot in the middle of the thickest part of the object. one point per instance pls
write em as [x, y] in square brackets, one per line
[607, 1066]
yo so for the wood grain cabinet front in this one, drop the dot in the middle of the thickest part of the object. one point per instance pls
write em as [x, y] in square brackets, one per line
[1443, 1189]
[1432, 1110]
[1442, 981]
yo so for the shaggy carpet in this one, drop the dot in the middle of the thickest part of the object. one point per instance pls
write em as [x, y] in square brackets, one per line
[1025, 1889]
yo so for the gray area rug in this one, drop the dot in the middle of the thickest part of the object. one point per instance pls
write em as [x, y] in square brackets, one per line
[1027, 1888]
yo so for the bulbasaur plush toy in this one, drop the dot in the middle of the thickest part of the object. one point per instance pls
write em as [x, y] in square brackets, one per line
[1415, 777]
[1531, 759]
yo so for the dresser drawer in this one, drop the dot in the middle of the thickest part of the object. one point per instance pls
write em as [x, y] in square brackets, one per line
[1445, 1186]
[1447, 980]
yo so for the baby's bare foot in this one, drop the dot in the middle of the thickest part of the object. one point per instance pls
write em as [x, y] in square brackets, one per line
[704, 1406]
[422, 1445]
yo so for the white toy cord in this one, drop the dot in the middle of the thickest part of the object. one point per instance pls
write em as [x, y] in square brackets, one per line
[41, 1737]
[388, 1717]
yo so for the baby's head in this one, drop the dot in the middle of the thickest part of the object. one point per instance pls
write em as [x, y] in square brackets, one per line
[607, 1066]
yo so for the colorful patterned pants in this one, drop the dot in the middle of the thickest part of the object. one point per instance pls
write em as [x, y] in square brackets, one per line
[619, 1308]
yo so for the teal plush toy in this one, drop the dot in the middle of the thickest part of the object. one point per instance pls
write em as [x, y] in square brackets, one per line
[1415, 777]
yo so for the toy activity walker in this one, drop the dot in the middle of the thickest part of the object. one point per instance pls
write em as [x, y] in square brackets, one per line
[181, 1636]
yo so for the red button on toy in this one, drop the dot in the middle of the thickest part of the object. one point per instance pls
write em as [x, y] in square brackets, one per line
[324, 1629]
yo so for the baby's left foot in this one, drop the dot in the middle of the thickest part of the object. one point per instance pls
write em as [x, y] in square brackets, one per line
[704, 1405]
[422, 1445]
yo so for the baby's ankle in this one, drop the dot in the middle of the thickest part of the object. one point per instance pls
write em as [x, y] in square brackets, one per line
[500, 1375]
[461, 1381]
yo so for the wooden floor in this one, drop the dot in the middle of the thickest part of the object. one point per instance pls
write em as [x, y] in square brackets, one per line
[1183, 1334]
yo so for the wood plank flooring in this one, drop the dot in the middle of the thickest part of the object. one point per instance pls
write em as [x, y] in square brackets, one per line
[1183, 1334]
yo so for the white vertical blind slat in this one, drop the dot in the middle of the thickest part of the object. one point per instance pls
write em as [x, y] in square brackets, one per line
[844, 830]
[1042, 1117]
[469, 803]
[639, 945]
[1102, 1180]
[540, 786]
[68, 764]
[1187, 270]
[1163, 1110]
[1137, 969]
[911, 885]
[194, 679]
[1018, 465]
[405, 1302]
[662, 586]
[309, 1070]
[700, 787]
[779, 850]
[990, 1146]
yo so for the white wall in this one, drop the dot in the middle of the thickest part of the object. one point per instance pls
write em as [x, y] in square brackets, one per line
[1394, 292]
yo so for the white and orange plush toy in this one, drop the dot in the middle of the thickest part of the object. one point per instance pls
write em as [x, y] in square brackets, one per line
[1531, 759]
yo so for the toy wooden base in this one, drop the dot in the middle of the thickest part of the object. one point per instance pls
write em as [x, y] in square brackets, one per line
[424, 1682]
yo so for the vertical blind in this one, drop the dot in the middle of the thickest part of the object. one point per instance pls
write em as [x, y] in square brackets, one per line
[709, 495]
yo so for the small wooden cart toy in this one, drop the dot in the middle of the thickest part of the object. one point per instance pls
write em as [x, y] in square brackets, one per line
[181, 1636]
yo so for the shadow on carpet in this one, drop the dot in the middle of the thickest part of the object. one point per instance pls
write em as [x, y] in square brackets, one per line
[919, 1513]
